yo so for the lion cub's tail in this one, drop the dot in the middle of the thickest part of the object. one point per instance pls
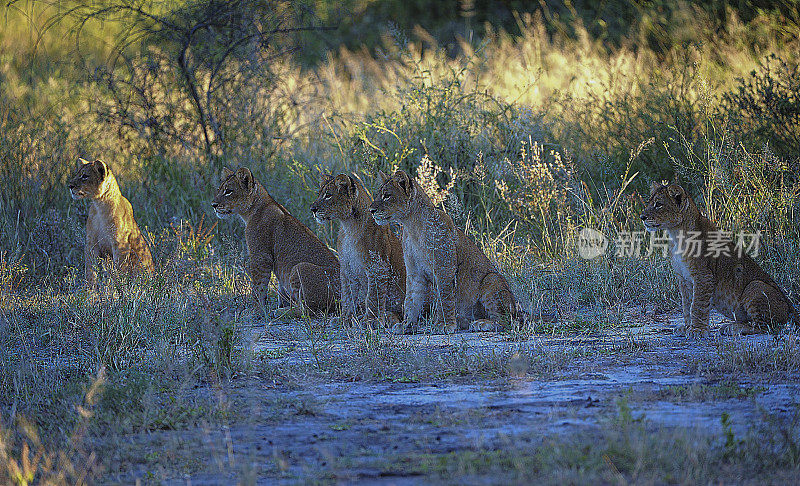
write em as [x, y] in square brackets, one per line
[523, 316]
[793, 315]
[793, 312]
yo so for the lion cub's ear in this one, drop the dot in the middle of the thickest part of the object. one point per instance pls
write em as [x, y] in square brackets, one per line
[245, 178]
[654, 186]
[353, 185]
[404, 181]
[101, 168]
[343, 184]
[226, 172]
[81, 162]
[677, 193]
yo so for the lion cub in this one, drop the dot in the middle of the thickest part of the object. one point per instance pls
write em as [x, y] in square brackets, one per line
[465, 282]
[111, 231]
[713, 273]
[371, 257]
[307, 271]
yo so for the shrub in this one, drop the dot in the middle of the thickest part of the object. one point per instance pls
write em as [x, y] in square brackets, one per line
[768, 102]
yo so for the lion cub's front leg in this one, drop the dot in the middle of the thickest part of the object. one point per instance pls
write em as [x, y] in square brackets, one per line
[687, 295]
[378, 282]
[416, 288]
[376, 294]
[349, 295]
[702, 289]
[444, 261]
[685, 289]
[445, 288]
[260, 276]
[91, 257]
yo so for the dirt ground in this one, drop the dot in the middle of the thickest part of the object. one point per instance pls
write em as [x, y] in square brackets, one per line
[411, 428]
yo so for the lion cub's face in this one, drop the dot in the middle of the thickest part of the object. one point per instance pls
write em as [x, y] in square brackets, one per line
[335, 199]
[391, 198]
[235, 194]
[666, 207]
[87, 179]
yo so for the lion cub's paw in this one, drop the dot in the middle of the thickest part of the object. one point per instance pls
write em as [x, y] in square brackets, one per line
[451, 327]
[281, 313]
[341, 321]
[388, 320]
[403, 327]
[691, 332]
[483, 325]
[372, 323]
[737, 329]
[392, 319]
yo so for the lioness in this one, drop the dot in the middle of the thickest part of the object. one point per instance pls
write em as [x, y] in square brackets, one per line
[307, 271]
[712, 271]
[465, 282]
[373, 273]
[111, 231]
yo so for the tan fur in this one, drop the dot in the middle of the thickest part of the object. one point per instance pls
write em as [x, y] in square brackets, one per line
[111, 231]
[734, 285]
[373, 274]
[465, 283]
[306, 270]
